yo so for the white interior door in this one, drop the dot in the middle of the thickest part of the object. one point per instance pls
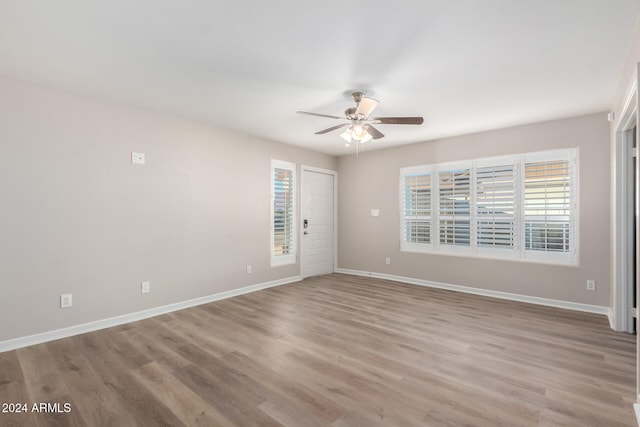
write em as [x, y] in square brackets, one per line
[317, 222]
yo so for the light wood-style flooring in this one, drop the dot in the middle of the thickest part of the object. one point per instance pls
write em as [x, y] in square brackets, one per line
[335, 350]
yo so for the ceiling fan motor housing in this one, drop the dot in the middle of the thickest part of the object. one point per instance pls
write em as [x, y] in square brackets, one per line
[350, 113]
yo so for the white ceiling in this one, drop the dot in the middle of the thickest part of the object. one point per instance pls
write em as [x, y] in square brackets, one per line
[465, 65]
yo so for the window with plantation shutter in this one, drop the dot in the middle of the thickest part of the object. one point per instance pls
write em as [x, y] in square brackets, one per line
[521, 207]
[547, 206]
[453, 207]
[283, 190]
[416, 208]
[495, 206]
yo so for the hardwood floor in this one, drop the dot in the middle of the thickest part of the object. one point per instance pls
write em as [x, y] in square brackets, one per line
[336, 350]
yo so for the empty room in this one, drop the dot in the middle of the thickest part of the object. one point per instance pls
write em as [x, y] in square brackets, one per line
[414, 213]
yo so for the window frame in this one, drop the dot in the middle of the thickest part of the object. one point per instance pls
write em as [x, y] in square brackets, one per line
[414, 246]
[454, 217]
[518, 251]
[498, 162]
[569, 258]
[291, 256]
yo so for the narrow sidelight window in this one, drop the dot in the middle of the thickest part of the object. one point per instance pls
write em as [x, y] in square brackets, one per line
[283, 218]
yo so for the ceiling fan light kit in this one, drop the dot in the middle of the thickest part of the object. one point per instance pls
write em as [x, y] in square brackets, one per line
[360, 125]
[358, 133]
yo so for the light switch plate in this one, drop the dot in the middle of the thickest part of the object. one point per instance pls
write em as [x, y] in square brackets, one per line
[66, 300]
[137, 158]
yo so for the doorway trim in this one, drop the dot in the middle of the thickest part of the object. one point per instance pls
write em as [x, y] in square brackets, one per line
[621, 194]
[307, 168]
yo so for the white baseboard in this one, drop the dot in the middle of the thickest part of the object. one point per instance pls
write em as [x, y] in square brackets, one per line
[26, 341]
[485, 292]
[636, 410]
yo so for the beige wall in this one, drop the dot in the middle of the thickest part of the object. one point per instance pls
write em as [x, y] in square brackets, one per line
[371, 180]
[76, 216]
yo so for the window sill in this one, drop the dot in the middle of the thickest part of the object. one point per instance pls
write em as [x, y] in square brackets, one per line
[565, 260]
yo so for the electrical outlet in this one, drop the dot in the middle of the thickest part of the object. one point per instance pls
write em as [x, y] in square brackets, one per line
[66, 300]
[591, 285]
[387, 261]
[145, 287]
[248, 268]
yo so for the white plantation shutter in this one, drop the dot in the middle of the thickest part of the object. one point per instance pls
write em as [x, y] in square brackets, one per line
[453, 207]
[416, 207]
[283, 190]
[548, 206]
[495, 206]
[283, 211]
[515, 207]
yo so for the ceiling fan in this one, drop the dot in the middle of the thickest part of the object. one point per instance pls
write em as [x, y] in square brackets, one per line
[360, 124]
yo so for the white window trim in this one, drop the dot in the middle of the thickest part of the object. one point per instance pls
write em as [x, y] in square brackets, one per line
[290, 258]
[518, 253]
[410, 246]
[435, 208]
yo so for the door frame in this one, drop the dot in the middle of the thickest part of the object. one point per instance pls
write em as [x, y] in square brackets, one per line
[622, 218]
[307, 168]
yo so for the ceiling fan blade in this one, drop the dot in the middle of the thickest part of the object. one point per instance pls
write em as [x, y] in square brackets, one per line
[319, 115]
[333, 128]
[399, 120]
[366, 106]
[375, 133]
